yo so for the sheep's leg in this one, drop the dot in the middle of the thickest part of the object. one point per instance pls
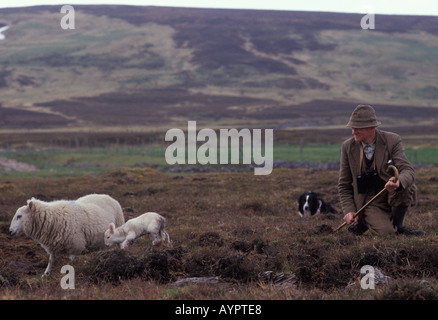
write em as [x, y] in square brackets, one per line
[165, 235]
[130, 238]
[124, 244]
[155, 239]
[49, 266]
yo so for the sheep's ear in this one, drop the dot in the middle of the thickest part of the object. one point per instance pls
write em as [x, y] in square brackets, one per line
[112, 227]
[31, 205]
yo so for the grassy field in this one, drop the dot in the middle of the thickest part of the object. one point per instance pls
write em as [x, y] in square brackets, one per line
[71, 162]
[234, 226]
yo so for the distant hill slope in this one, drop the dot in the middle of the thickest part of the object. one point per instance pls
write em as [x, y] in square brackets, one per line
[158, 67]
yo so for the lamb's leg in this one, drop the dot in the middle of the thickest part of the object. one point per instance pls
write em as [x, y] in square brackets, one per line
[165, 235]
[130, 238]
[124, 244]
[155, 239]
[49, 266]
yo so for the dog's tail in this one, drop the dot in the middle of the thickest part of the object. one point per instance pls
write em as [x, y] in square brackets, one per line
[328, 208]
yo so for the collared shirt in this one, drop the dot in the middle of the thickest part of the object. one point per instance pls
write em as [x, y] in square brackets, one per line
[368, 150]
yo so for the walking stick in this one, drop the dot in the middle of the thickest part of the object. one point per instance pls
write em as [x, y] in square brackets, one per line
[394, 169]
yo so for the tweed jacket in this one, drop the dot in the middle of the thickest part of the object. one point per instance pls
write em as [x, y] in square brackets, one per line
[388, 147]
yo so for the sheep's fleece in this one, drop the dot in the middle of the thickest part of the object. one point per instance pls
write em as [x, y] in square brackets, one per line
[68, 227]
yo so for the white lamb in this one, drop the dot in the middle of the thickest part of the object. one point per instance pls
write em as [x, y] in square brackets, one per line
[67, 227]
[149, 222]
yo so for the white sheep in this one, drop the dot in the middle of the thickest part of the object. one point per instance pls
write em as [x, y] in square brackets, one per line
[149, 222]
[67, 227]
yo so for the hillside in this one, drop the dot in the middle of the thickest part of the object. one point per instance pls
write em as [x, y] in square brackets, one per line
[156, 68]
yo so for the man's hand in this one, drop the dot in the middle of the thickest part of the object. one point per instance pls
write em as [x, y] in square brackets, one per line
[349, 217]
[391, 185]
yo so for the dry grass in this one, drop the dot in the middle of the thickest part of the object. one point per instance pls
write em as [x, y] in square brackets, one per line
[230, 225]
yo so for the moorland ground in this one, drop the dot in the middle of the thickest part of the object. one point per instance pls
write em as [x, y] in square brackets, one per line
[234, 226]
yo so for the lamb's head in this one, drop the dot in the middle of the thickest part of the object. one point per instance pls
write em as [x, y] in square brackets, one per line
[17, 227]
[112, 235]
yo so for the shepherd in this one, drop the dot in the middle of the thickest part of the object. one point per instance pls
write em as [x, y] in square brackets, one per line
[365, 159]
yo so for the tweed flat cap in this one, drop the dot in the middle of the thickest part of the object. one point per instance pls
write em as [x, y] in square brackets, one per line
[364, 116]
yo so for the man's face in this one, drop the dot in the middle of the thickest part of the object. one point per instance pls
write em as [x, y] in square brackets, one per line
[365, 135]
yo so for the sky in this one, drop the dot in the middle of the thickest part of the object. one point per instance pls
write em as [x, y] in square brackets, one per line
[402, 7]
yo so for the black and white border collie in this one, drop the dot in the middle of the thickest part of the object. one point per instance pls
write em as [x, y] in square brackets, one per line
[310, 203]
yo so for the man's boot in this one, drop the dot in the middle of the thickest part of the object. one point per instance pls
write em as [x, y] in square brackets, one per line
[359, 227]
[398, 216]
